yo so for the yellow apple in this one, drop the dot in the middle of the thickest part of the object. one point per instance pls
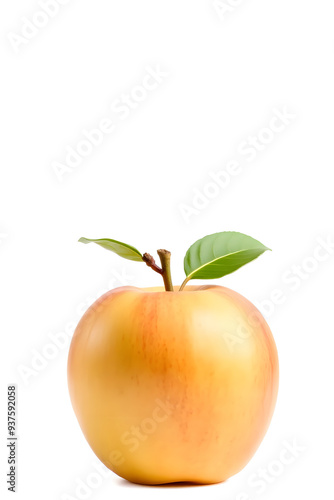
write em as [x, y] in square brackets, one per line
[177, 386]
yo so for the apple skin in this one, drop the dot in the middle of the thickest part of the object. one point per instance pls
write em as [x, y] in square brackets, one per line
[173, 386]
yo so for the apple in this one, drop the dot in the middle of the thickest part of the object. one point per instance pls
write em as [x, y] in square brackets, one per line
[176, 384]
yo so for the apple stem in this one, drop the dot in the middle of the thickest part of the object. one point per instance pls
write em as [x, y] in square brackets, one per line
[184, 283]
[150, 262]
[165, 256]
[164, 270]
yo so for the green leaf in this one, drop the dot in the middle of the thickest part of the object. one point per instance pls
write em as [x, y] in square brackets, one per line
[122, 249]
[220, 254]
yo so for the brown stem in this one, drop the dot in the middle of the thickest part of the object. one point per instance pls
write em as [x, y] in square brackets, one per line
[165, 256]
[150, 262]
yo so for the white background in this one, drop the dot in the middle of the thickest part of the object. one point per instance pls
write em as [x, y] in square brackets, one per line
[226, 75]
